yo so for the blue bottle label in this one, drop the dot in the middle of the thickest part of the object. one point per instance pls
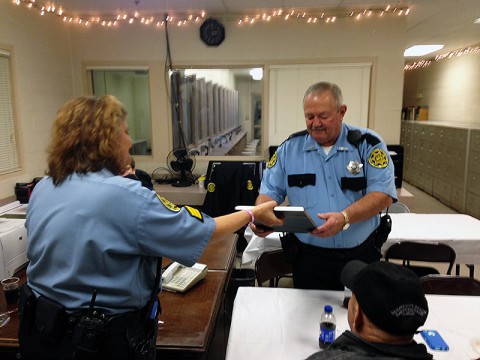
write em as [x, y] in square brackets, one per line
[327, 332]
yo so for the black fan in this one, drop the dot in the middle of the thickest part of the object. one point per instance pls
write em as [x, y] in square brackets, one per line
[181, 162]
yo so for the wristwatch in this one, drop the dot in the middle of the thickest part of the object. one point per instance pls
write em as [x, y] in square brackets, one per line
[347, 221]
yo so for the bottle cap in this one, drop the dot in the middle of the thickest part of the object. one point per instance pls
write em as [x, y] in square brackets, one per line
[328, 308]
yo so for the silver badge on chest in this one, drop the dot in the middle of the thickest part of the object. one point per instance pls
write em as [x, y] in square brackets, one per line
[354, 167]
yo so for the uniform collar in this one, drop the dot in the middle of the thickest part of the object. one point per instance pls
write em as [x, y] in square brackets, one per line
[341, 145]
[101, 174]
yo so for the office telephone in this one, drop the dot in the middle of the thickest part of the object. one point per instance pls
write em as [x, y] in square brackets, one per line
[178, 277]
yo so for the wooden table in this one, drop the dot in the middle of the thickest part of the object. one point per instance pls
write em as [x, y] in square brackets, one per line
[192, 321]
[190, 318]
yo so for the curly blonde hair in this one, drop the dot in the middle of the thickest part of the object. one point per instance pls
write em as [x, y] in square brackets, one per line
[84, 137]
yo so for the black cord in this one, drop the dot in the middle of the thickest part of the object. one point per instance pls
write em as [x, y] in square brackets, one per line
[174, 91]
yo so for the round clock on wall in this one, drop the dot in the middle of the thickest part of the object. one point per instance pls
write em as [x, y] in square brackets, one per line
[212, 32]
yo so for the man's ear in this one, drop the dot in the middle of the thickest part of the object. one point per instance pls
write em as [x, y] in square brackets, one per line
[358, 320]
[343, 109]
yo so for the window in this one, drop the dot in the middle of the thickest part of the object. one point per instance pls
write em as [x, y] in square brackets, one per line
[9, 159]
[131, 87]
[214, 111]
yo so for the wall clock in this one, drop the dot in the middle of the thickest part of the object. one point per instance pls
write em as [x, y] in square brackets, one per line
[212, 32]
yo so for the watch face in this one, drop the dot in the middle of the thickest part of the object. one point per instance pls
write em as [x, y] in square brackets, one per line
[212, 32]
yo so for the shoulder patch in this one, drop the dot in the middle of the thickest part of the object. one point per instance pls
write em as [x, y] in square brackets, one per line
[378, 158]
[197, 214]
[273, 161]
[168, 204]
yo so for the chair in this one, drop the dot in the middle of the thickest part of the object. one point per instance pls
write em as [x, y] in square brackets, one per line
[450, 285]
[271, 265]
[422, 251]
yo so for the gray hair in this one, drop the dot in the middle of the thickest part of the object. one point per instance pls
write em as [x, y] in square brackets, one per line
[323, 86]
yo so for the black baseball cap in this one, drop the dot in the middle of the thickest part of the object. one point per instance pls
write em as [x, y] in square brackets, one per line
[389, 294]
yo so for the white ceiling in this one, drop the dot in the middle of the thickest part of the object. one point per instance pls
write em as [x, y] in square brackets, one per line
[448, 22]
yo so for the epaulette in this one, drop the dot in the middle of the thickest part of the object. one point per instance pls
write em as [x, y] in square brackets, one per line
[355, 137]
[371, 139]
[298, 133]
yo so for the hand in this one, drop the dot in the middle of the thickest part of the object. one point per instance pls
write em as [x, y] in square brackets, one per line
[264, 214]
[261, 231]
[334, 222]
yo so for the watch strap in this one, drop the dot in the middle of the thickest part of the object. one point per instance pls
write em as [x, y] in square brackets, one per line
[347, 220]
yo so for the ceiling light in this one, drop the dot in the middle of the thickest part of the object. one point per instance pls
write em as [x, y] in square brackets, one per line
[477, 21]
[256, 73]
[419, 50]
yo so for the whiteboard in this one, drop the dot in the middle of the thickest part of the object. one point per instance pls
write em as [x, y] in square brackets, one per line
[287, 86]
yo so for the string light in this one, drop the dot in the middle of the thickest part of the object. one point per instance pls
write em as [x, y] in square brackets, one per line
[312, 17]
[470, 50]
[108, 21]
[417, 65]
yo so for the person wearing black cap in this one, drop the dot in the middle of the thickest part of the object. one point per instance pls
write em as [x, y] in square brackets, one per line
[386, 309]
[131, 172]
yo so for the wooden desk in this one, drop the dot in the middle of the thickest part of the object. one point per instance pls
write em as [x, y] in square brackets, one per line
[9, 333]
[220, 253]
[191, 320]
[190, 195]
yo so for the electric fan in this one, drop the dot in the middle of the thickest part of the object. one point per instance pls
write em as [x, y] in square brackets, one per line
[181, 162]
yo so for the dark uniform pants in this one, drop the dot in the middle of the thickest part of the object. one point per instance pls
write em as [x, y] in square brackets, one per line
[46, 331]
[319, 268]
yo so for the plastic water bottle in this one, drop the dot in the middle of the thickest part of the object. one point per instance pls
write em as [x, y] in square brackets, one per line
[327, 327]
[346, 297]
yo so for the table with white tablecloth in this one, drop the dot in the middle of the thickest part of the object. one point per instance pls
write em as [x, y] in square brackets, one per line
[283, 323]
[460, 231]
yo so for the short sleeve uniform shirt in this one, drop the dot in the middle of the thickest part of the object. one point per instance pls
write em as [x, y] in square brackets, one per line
[302, 171]
[104, 232]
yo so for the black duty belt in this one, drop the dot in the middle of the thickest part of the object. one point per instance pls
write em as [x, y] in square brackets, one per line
[337, 253]
[114, 323]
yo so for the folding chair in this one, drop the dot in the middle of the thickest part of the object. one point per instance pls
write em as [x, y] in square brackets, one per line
[408, 251]
[450, 285]
[271, 266]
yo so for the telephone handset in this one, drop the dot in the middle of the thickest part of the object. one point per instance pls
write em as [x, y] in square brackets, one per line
[178, 277]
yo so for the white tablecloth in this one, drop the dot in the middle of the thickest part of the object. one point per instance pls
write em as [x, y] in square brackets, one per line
[283, 323]
[460, 231]
[257, 245]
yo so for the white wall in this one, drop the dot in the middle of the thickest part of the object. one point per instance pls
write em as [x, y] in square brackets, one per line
[45, 80]
[378, 40]
[42, 80]
[450, 87]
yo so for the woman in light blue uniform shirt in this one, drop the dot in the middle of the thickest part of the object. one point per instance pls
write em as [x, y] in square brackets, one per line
[90, 228]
